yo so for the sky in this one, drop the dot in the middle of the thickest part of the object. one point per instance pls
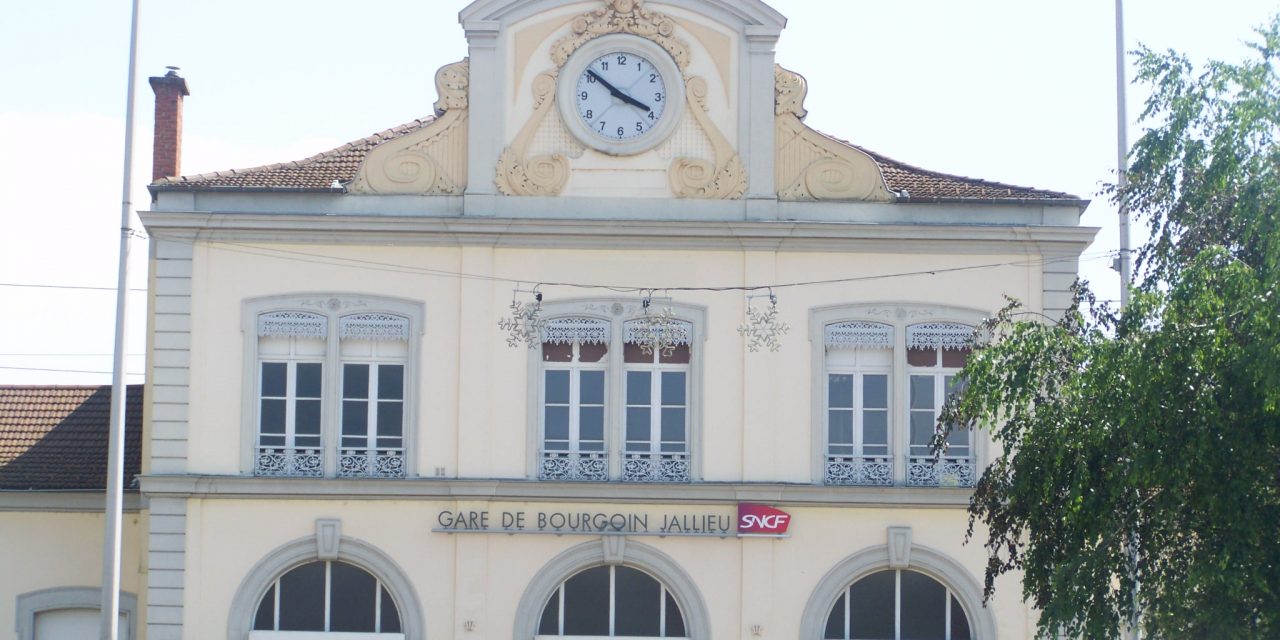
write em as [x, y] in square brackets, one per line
[1019, 91]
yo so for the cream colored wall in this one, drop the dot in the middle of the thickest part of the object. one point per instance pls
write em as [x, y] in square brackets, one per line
[482, 578]
[471, 386]
[44, 550]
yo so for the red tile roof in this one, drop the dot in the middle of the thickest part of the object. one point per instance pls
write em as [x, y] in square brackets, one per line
[321, 171]
[54, 438]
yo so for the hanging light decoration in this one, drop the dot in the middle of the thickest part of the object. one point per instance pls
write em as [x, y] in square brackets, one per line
[658, 331]
[762, 328]
[525, 323]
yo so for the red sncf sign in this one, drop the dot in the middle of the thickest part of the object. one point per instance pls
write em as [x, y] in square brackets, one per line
[761, 520]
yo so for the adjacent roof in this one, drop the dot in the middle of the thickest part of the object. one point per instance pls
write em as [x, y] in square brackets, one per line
[54, 438]
[323, 171]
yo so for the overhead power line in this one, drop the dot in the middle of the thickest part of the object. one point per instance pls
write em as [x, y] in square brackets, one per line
[63, 370]
[27, 285]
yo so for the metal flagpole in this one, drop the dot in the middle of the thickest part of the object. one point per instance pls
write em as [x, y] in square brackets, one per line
[1122, 158]
[109, 628]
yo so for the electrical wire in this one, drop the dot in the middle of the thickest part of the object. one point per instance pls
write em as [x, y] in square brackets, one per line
[59, 286]
[105, 373]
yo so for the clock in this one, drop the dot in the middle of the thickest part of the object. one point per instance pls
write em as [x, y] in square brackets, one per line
[621, 94]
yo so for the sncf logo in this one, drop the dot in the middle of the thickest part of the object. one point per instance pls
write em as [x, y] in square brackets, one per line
[761, 520]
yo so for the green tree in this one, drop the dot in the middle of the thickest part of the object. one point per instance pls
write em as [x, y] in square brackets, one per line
[1141, 449]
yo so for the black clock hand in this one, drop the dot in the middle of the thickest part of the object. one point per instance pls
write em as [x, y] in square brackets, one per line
[618, 94]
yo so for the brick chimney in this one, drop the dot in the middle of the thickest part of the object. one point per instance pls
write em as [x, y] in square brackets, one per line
[166, 155]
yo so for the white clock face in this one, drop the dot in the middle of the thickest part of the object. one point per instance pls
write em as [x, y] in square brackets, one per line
[621, 96]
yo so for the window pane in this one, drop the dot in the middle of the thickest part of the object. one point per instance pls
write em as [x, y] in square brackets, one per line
[390, 418]
[591, 387]
[550, 624]
[840, 390]
[557, 423]
[637, 599]
[922, 357]
[840, 426]
[675, 619]
[274, 379]
[591, 423]
[557, 352]
[638, 387]
[390, 382]
[673, 425]
[922, 392]
[681, 355]
[959, 621]
[955, 358]
[875, 391]
[390, 614]
[922, 426]
[557, 387]
[265, 619]
[355, 381]
[835, 621]
[871, 610]
[673, 388]
[586, 603]
[309, 378]
[592, 352]
[355, 417]
[306, 418]
[352, 599]
[638, 424]
[632, 353]
[875, 427]
[924, 607]
[302, 598]
[272, 416]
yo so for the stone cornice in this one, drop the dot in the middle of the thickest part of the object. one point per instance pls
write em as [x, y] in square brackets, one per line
[63, 501]
[624, 234]
[433, 489]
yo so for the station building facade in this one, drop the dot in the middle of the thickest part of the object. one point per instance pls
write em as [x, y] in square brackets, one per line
[611, 345]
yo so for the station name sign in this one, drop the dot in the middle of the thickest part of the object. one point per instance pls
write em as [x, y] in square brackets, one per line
[751, 520]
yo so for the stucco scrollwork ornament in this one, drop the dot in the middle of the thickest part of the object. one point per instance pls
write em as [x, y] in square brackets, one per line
[622, 16]
[812, 166]
[431, 160]
[696, 178]
[519, 175]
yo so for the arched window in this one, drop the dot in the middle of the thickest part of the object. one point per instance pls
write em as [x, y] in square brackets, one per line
[612, 602]
[897, 605]
[327, 597]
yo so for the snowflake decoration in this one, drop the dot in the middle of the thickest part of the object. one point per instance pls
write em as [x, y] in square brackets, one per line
[659, 331]
[525, 324]
[762, 328]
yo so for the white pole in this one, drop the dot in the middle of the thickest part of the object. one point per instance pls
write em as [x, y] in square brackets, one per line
[115, 461]
[1122, 157]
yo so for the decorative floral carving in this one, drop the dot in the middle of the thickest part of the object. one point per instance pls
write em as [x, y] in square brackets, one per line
[432, 160]
[859, 471]
[574, 466]
[374, 326]
[655, 467]
[658, 332]
[293, 324]
[811, 166]
[519, 175]
[790, 91]
[946, 472]
[695, 178]
[622, 16]
[576, 330]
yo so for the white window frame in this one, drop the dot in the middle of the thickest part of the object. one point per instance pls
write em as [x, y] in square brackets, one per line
[898, 613]
[332, 307]
[618, 312]
[29, 605]
[379, 587]
[373, 454]
[663, 595]
[899, 316]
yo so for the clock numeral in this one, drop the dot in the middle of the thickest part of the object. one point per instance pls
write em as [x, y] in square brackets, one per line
[640, 127]
[584, 95]
[621, 132]
[590, 114]
[591, 79]
[651, 116]
[622, 60]
[653, 78]
[657, 97]
[602, 124]
[604, 66]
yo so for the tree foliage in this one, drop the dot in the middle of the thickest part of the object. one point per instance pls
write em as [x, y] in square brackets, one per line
[1141, 449]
